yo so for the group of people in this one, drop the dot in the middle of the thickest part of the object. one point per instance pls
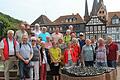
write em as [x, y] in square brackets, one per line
[40, 51]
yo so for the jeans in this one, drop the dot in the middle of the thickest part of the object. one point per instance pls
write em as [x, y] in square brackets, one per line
[24, 70]
[101, 64]
[112, 63]
[89, 63]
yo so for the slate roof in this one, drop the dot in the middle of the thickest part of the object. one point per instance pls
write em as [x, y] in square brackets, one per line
[62, 19]
[42, 20]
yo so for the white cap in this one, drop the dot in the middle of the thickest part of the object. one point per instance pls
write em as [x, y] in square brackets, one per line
[33, 38]
[43, 42]
[81, 34]
[37, 24]
[68, 30]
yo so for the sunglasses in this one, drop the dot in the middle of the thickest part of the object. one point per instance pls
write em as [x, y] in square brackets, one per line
[33, 40]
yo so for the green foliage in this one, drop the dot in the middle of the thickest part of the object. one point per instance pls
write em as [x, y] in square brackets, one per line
[8, 23]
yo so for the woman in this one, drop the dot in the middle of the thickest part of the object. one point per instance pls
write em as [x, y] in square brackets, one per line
[55, 54]
[67, 37]
[48, 44]
[101, 59]
[62, 46]
[69, 56]
[35, 59]
[87, 54]
[43, 61]
[77, 50]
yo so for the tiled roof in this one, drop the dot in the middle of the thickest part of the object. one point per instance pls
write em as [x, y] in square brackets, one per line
[42, 20]
[110, 15]
[62, 19]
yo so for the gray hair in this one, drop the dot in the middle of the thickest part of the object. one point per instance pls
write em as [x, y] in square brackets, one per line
[10, 31]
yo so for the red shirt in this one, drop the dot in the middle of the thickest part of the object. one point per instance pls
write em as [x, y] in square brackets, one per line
[112, 51]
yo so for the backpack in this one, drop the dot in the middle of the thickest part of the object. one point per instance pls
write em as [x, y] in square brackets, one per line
[20, 44]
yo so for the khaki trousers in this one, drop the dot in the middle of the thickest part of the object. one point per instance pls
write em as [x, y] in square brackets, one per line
[8, 64]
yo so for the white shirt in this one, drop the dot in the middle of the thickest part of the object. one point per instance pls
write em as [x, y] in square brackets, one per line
[11, 46]
[44, 58]
[56, 37]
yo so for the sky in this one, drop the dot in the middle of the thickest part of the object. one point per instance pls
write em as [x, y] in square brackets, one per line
[29, 10]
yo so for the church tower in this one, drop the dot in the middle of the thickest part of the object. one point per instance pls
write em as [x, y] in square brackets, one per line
[99, 9]
[94, 8]
[102, 12]
[86, 15]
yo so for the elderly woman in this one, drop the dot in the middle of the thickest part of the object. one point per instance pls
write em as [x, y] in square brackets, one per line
[67, 37]
[69, 56]
[36, 58]
[43, 61]
[55, 54]
[76, 49]
[101, 59]
[87, 54]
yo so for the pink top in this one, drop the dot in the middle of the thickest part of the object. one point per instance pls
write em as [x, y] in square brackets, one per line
[48, 45]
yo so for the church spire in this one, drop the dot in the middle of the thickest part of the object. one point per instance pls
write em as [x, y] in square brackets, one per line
[86, 9]
[86, 15]
[94, 8]
[100, 1]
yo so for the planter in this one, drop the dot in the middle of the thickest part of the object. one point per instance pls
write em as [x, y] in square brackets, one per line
[98, 77]
[112, 75]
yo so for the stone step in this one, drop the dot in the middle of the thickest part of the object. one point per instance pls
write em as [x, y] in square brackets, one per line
[10, 78]
[12, 73]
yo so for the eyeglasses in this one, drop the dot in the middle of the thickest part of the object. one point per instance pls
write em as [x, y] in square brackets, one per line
[33, 40]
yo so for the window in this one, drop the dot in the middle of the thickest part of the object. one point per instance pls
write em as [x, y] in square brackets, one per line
[91, 28]
[74, 19]
[66, 20]
[99, 28]
[95, 29]
[60, 28]
[100, 12]
[103, 12]
[103, 28]
[115, 19]
[113, 30]
[70, 20]
[50, 29]
[87, 29]
[117, 29]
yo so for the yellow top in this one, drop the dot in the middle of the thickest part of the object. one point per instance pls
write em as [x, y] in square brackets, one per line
[55, 54]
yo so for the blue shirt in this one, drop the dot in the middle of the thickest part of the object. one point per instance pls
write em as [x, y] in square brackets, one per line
[87, 52]
[43, 36]
[25, 50]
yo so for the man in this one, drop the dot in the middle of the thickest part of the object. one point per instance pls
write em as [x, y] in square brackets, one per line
[81, 40]
[112, 52]
[25, 55]
[19, 33]
[57, 35]
[44, 34]
[8, 51]
[37, 30]
[71, 28]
